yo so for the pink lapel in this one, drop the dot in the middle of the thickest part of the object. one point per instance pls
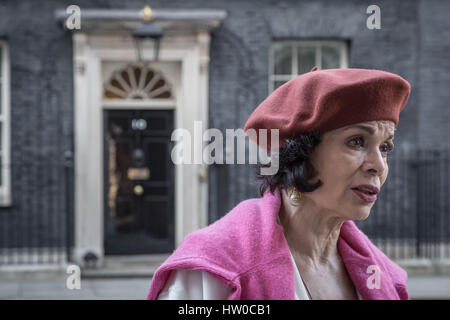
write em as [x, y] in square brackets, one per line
[365, 263]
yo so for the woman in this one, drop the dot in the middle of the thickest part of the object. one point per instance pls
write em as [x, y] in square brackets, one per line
[298, 241]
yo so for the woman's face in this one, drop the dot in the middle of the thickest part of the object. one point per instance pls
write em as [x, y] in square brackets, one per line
[352, 164]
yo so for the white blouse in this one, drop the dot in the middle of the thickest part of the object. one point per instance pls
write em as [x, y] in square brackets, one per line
[200, 285]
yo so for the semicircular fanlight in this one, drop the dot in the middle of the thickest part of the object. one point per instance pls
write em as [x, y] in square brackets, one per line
[137, 82]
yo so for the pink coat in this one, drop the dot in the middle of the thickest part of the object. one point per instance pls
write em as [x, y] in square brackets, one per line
[247, 251]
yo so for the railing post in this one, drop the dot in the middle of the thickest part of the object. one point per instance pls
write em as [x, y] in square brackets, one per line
[416, 164]
[68, 166]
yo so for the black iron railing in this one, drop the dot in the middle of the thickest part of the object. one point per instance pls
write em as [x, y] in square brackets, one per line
[38, 227]
[411, 218]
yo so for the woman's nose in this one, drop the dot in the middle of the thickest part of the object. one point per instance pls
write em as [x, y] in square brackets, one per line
[375, 163]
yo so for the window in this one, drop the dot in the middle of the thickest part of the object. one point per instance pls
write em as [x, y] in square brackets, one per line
[5, 170]
[289, 59]
[137, 82]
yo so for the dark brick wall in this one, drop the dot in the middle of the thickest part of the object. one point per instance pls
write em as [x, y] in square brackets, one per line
[413, 42]
[433, 82]
[41, 123]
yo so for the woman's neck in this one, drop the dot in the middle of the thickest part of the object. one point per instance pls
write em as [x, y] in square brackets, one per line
[310, 232]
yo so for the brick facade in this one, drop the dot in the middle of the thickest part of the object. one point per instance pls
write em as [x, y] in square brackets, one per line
[414, 42]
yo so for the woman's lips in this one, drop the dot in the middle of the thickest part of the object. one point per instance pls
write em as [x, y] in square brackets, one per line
[364, 196]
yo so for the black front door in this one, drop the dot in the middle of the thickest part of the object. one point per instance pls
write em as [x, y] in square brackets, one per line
[139, 182]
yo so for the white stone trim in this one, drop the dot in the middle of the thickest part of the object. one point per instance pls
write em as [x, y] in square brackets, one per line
[190, 104]
[5, 87]
[167, 104]
[128, 18]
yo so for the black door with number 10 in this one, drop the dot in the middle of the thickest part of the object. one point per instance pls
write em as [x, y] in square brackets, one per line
[139, 182]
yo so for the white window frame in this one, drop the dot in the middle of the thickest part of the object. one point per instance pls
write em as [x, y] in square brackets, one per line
[318, 44]
[5, 187]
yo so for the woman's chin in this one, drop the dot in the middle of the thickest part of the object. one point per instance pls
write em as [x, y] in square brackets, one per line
[358, 213]
[361, 215]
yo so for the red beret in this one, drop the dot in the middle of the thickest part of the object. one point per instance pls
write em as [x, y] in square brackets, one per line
[321, 101]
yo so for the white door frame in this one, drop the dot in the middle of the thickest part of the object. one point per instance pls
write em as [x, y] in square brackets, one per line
[191, 51]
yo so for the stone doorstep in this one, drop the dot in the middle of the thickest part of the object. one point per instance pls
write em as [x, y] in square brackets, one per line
[126, 267]
[113, 267]
[24, 273]
[122, 273]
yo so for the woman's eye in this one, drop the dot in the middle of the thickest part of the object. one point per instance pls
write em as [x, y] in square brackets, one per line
[356, 142]
[386, 148]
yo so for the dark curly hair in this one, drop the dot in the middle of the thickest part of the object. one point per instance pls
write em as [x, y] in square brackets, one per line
[295, 168]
